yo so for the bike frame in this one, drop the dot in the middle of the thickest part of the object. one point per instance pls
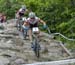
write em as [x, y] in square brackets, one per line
[36, 44]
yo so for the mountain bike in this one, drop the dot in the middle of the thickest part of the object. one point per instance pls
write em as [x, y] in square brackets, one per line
[35, 44]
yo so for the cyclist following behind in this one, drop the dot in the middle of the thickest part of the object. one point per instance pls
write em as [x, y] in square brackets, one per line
[32, 22]
[20, 13]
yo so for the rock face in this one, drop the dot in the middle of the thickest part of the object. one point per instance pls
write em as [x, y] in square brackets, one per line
[16, 51]
[4, 61]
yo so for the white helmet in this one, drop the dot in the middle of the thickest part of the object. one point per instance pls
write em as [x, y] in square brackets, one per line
[23, 6]
[32, 15]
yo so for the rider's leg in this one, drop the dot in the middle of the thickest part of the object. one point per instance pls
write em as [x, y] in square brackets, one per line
[30, 35]
[17, 21]
[17, 16]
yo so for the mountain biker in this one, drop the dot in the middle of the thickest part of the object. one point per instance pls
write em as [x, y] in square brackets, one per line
[33, 21]
[2, 18]
[20, 13]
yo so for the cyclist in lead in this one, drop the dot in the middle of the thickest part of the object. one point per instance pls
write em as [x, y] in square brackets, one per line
[33, 21]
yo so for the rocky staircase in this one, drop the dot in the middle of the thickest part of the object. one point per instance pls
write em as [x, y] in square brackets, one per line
[16, 51]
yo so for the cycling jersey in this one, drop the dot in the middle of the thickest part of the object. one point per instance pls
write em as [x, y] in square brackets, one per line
[33, 22]
[21, 11]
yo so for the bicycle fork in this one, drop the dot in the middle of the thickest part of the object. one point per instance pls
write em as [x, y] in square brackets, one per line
[36, 47]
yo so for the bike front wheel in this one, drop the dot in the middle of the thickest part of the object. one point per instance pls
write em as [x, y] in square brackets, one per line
[37, 50]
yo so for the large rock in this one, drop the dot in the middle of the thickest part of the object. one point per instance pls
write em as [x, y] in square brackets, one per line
[7, 44]
[19, 61]
[4, 61]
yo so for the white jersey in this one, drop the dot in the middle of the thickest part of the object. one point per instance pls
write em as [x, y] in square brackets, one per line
[33, 21]
[22, 10]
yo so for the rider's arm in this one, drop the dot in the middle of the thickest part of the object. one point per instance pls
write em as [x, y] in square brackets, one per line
[19, 11]
[44, 23]
[27, 10]
[26, 23]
